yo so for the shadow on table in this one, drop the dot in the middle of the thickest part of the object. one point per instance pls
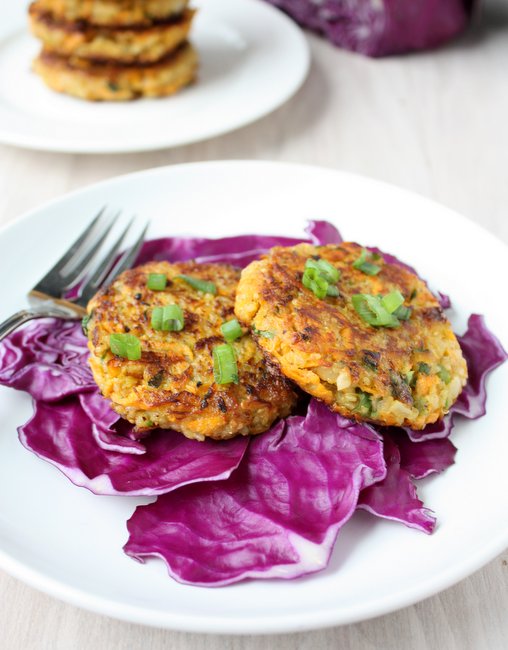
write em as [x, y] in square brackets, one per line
[491, 23]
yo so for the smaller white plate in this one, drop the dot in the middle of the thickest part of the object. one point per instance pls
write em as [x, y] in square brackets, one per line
[252, 60]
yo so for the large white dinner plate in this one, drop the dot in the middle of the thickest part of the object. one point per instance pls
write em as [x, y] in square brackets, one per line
[68, 542]
[253, 59]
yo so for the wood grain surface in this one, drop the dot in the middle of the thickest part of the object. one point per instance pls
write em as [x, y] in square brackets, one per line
[436, 123]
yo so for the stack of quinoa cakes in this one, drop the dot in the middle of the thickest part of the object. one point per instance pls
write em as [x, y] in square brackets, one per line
[114, 50]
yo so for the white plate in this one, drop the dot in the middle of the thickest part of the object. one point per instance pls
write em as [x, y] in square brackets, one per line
[67, 542]
[253, 59]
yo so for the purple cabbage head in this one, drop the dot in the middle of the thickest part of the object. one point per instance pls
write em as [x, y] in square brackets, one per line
[382, 27]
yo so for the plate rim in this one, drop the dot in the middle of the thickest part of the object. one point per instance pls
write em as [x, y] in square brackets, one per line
[42, 143]
[258, 625]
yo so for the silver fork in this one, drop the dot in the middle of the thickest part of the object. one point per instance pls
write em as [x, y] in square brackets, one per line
[66, 289]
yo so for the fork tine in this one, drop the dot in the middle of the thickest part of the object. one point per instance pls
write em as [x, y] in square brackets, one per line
[128, 257]
[76, 246]
[52, 284]
[97, 278]
[89, 252]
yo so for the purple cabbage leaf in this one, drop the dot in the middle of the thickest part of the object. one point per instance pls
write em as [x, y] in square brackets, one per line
[47, 359]
[395, 497]
[62, 433]
[279, 513]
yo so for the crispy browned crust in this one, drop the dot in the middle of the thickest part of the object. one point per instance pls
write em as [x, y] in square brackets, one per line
[185, 397]
[112, 81]
[330, 352]
[115, 13]
[145, 44]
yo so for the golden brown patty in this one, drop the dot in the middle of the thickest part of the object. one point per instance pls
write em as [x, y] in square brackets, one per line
[114, 13]
[115, 82]
[122, 44]
[172, 385]
[405, 376]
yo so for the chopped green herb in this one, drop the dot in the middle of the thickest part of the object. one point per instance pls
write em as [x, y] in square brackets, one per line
[225, 368]
[199, 285]
[84, 323]
[413, 295]
[371, 359]
[266, 334]
[113, 86]
[156, 380]
[365, 265]
[156, 281]
[400, 387]
[231, 330]
[410, 377]
[424, 368]
[167, 319]
[444, 375]
[127, 346]
[421, 404]
[364, 406]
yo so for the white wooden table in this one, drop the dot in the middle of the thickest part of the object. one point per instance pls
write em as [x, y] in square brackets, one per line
[435, 123]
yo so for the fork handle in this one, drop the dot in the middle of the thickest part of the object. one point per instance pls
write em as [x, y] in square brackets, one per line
[24, 316]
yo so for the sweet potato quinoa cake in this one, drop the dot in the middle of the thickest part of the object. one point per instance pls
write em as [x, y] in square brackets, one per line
[365, 336]
[168, 352]
[114, 82]
[122, 44]
[114, 50]
[113, 12]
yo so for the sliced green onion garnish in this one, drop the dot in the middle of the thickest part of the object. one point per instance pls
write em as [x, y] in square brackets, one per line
[314, 281]
[369, 269]
[324, 268]
[168, 319]
[332, 291]
[84, 323]
[410, 377]
[372, 311]
[225, 369]
[364, 264]
[320, 277]
[199, 285]
[156, 281]
[231, 330]
[392, 301]
[403, 313]
[127, 346]
[444, 375]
